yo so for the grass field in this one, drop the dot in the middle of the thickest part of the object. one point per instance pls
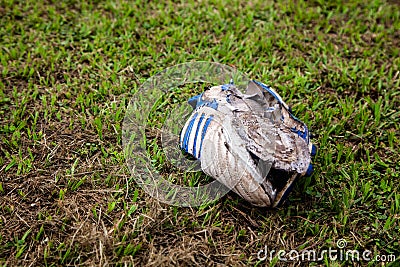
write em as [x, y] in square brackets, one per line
[69, 68]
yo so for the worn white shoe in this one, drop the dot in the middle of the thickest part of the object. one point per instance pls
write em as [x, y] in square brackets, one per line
[249, 141]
